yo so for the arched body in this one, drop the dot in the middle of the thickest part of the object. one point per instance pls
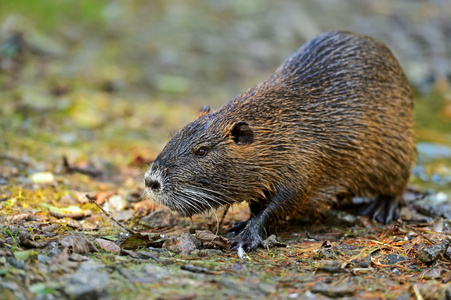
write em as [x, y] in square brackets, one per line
[334, 121]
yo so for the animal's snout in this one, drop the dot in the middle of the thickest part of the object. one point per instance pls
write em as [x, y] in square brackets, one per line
[153, 179]
[154, 185]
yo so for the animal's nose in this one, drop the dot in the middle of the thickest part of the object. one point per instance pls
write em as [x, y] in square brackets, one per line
[154, 185]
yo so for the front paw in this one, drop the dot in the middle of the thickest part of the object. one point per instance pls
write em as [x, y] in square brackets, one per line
[237, 228]
[246, 239]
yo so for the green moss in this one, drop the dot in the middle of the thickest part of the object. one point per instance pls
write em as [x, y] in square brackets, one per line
[429, 116]
[50, 15]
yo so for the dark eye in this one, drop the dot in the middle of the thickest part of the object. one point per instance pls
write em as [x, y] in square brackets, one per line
[201, 151]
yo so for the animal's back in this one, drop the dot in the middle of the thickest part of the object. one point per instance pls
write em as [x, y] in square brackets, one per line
[340, 108]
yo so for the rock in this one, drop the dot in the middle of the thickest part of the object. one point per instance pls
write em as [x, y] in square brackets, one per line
[42, 177]
[86, 284]
[123, 215]
[271, 241]
[16, 263]
[432, 253]
[140, 254]
[149, 274]
[435, 205]
[159, 219]
[334, 290]
[393, 258]
[115, 203]
[182, 244]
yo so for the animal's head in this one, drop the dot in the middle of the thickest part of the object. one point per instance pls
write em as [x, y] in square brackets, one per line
[205, 165]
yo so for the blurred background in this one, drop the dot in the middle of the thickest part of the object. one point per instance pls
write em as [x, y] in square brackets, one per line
[114, 79]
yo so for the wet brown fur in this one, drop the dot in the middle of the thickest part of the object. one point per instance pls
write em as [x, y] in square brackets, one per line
[334, 120]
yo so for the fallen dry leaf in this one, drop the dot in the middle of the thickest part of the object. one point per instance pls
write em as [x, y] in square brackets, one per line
[143, 240]
[77, 244]
[108, 246]
[71, 211]
[210, 239]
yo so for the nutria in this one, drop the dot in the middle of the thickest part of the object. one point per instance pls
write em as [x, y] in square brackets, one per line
[333, 122]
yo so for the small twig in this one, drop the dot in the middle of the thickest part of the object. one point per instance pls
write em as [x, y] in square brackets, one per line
[226, 210]
[416, 290]
[421, 234]
[85, 171]
[93, 199]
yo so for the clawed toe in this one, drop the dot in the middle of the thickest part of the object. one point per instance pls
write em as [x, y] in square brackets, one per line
[248, 238]
[383, 210]
[246, 244]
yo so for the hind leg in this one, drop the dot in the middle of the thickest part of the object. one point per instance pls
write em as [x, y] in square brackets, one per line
[383, 209]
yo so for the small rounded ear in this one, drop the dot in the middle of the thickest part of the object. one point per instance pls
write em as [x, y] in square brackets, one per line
[203, 111]
[242, 134]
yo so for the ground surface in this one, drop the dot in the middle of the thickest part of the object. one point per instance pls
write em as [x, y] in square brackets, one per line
[90, 92]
